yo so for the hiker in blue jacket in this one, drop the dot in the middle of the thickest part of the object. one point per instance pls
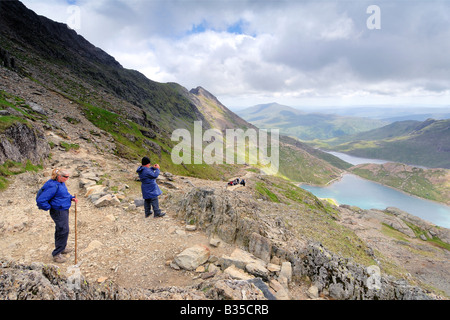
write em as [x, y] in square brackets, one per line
[150, 190]
[56, 198]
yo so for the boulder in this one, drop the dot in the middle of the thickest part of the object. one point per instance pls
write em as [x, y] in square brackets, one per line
[95, 190]
[86, 183]
[257, 269]
[107, 200]
[237, 274]
[192, 257]
[236, 290]
[240, 258]
[90, 176]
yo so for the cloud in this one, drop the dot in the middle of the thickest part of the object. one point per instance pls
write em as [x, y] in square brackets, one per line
[292, 50]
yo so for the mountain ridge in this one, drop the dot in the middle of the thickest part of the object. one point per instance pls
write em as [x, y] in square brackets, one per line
[306, 125]
[412, 142]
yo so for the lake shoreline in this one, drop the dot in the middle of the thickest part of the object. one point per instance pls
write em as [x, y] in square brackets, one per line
[440, 212]
[358, 161]
[379, 183]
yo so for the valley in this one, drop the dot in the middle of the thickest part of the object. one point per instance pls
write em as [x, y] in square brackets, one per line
[66, 104]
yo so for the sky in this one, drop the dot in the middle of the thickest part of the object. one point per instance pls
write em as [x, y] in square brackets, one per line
[305, 54]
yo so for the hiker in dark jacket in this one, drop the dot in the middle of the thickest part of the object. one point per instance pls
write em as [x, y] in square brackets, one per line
[150, 190]
[56, 198]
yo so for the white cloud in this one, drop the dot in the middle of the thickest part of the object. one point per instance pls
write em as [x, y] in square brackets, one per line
[303, 52]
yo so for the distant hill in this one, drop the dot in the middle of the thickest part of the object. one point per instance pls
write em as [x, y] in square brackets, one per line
[392, 113]
[424, 143]
[306, 126]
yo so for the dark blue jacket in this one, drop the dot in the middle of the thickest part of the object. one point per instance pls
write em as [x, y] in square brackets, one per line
[148, 176]
[54, 196]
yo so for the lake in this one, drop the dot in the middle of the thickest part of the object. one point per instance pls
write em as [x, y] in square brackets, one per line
[354, 160]
[358, 160]
[365, 194]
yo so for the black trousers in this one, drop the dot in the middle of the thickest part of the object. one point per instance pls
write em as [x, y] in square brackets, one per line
[149, 203]
[61, 219]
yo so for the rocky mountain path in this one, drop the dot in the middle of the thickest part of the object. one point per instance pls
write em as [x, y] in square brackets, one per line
[116, 242]
[113, 242]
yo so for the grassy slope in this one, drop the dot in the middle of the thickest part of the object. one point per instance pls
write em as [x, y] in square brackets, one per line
[412, 142]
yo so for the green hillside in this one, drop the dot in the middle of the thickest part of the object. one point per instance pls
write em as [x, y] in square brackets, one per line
[424, 143]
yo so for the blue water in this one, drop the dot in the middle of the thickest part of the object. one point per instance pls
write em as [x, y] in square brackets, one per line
[365, 194]
[355, 160]
[358, 160]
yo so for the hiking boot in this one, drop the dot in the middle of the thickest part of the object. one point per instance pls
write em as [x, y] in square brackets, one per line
[59, 258]
[66, 251]
[148, 215]
[162, 214]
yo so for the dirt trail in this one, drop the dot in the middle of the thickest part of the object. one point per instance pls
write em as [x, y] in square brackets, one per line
[114, 243]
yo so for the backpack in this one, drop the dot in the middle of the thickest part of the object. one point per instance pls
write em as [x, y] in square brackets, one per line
[40, 192]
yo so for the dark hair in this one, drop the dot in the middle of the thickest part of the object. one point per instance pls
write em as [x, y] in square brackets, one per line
[145, 161]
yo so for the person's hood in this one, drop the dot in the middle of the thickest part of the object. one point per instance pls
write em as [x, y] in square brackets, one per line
[140, 169]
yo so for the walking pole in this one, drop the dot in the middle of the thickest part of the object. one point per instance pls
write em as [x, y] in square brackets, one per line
[75, 230]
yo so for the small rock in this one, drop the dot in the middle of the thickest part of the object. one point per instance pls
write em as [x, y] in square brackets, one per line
[286, 271]
[131, 207]
[313, 292]
[200, 269]
[273, 267]
[191, 227]
[215, 242]
[208, 275]
[139, 202]
[280, 292]
[95, 244]
[102, 279]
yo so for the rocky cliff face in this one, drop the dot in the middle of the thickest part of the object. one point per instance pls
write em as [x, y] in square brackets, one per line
[21, 142]
[240, 220]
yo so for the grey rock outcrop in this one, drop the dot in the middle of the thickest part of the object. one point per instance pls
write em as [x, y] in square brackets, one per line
[20, 142]
[222, 215]
[344, 279]
[46, 282]
[219, 214]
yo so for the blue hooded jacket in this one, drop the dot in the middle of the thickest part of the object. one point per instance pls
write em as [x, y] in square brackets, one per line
[54, 196]
[148, 176]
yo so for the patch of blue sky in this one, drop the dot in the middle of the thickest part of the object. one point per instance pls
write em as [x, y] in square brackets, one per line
[236, 28]
[198, 28]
